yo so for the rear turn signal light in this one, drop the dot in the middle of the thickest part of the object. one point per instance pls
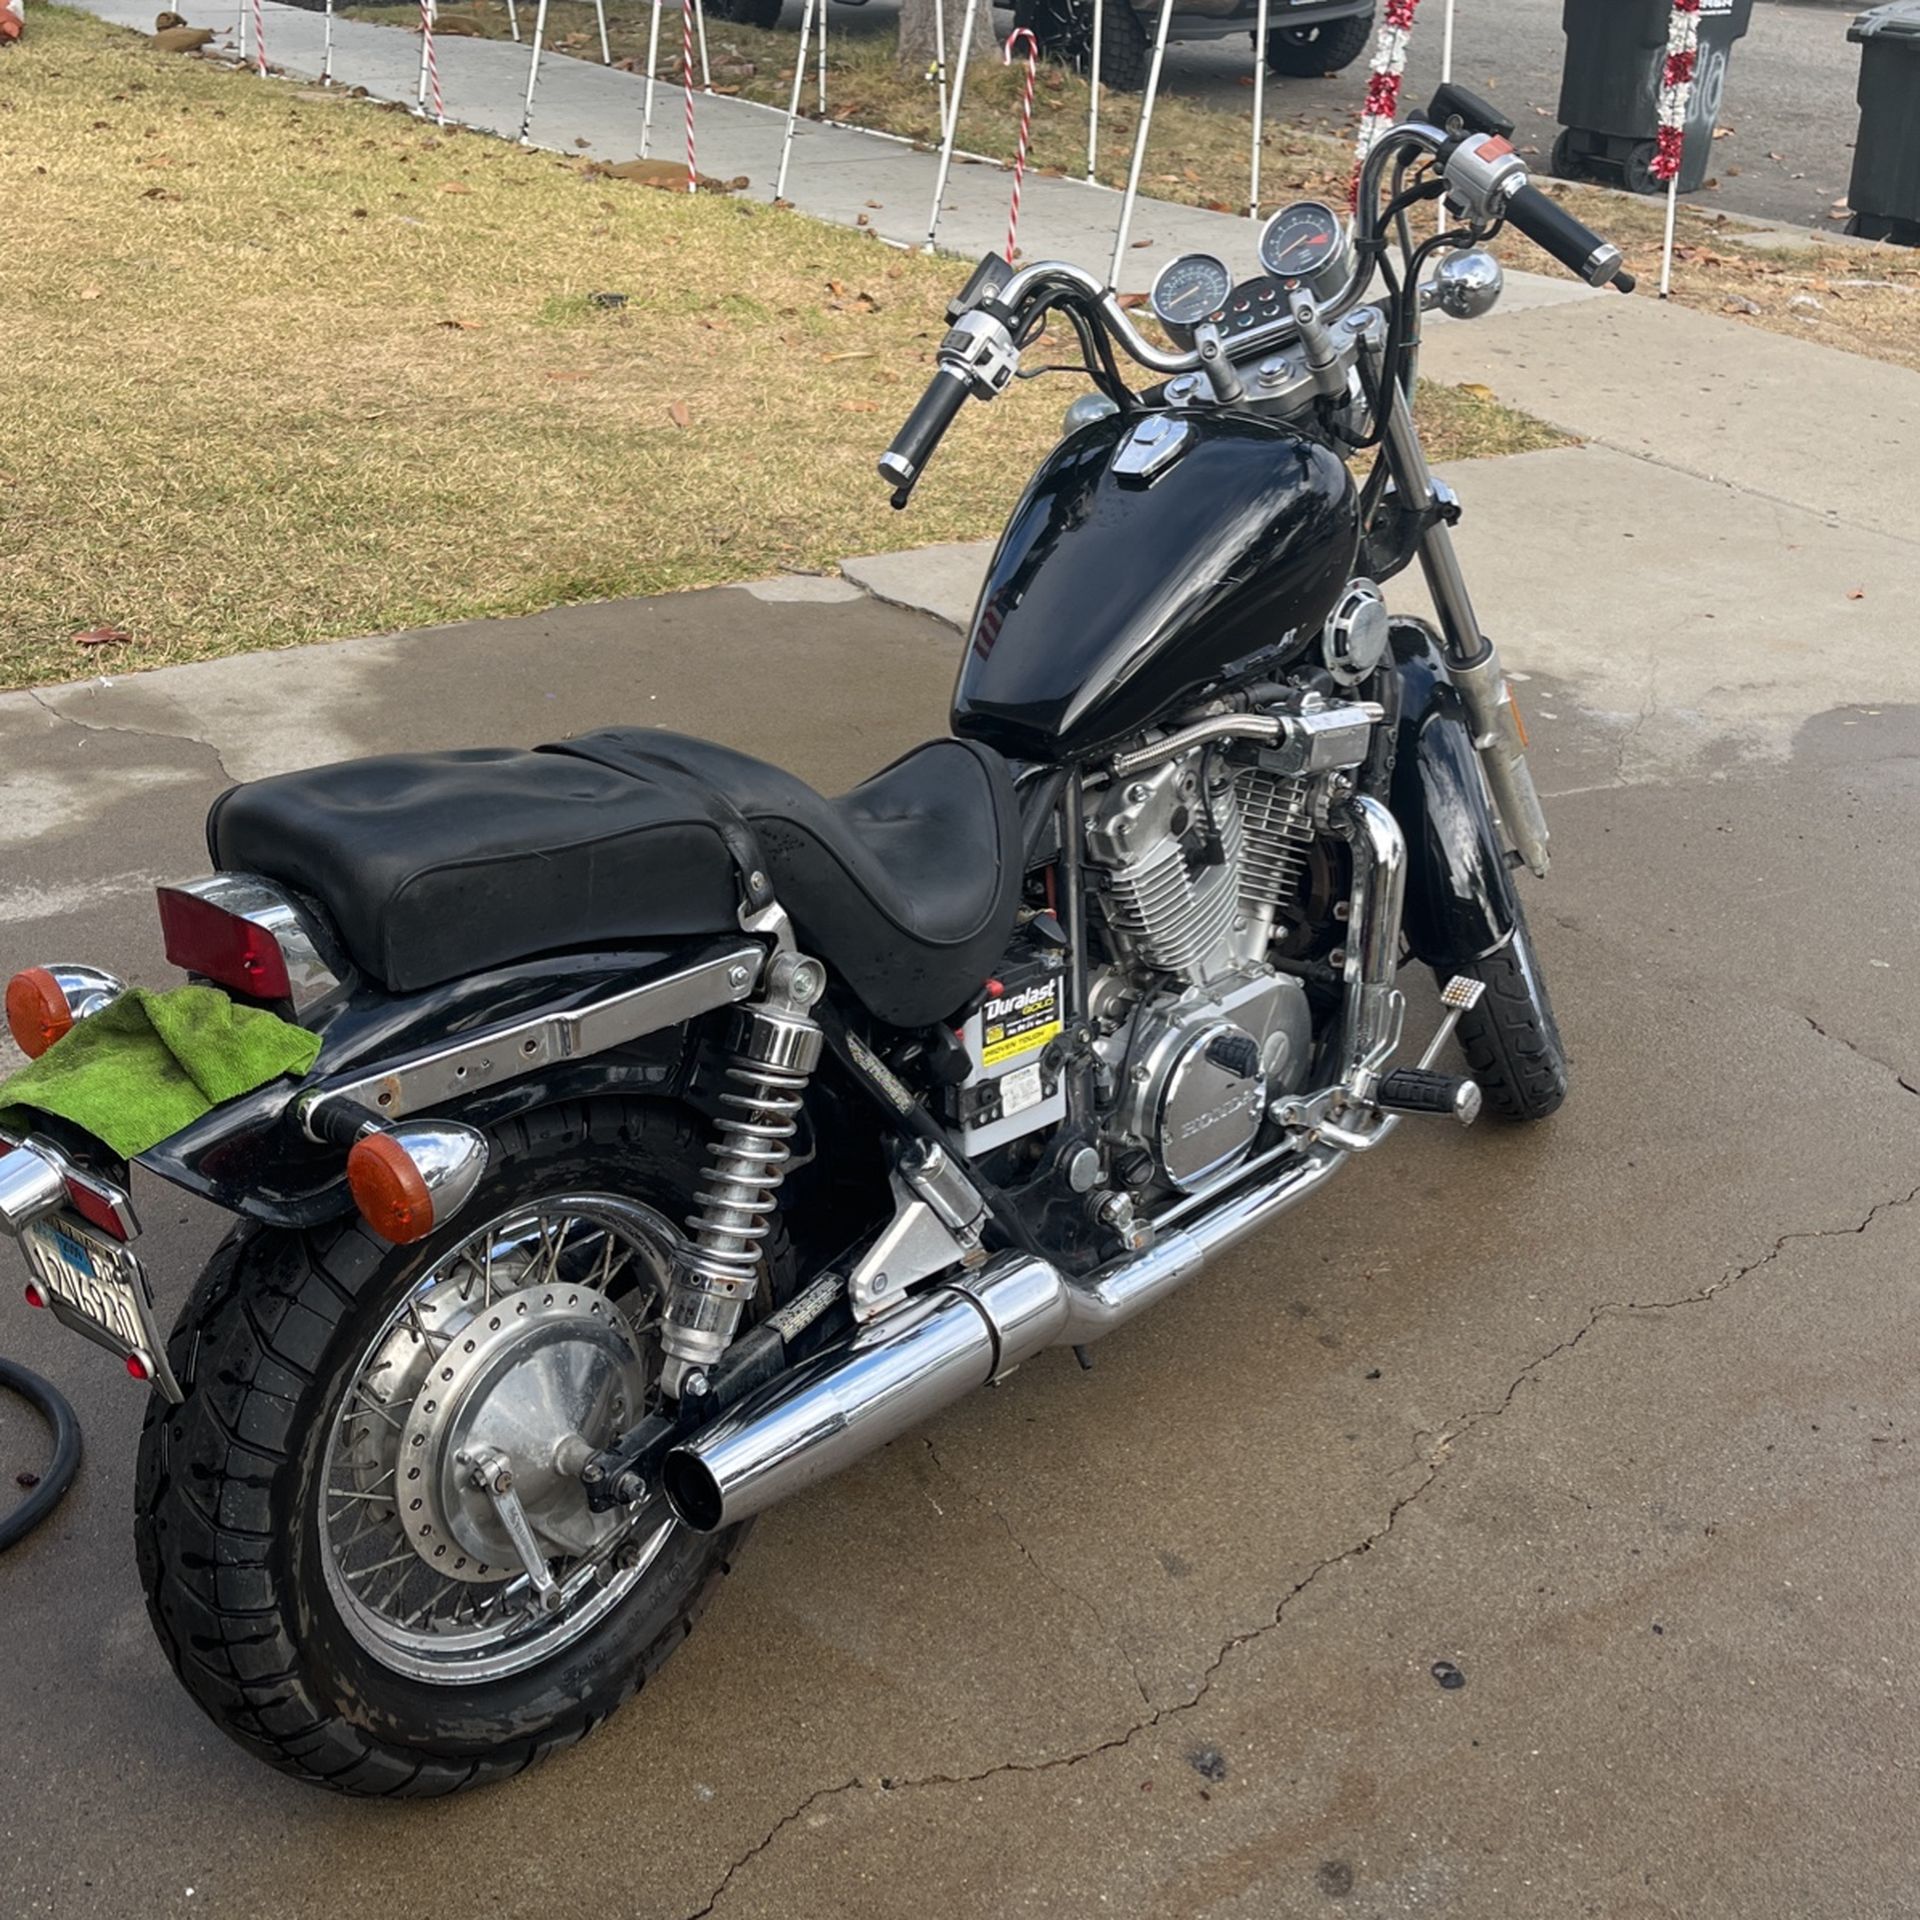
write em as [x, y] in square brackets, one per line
[100, 1208]
[222, 947]
[37, 1011]
[407, 1182]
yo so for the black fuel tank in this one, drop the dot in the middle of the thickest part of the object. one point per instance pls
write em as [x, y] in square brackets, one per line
[1110, 596]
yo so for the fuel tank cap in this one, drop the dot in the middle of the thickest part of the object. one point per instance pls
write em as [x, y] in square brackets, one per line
[1151, 447]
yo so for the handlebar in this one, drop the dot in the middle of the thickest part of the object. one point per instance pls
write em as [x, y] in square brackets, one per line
[1574, 244]
[932, 415]
[1486, 181]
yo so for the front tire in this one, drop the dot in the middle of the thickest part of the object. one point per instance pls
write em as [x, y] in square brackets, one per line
[1511, 1039]
[1312, 53]
[260, 1607]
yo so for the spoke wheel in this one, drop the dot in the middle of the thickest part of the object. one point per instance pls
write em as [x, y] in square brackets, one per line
[332, 1381]
[535, 1328]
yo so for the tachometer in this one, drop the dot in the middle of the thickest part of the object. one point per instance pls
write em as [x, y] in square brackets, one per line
[1307, 243]
[1190, 289]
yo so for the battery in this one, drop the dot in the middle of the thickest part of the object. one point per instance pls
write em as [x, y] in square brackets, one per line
[1013, 1088]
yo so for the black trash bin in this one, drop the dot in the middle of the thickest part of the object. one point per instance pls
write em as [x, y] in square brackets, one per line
[1885, 194]
[1610, 90]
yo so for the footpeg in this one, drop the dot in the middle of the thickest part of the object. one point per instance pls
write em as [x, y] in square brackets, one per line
[1422, 1090]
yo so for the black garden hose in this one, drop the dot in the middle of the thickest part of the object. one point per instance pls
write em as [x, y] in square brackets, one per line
[52, 1407]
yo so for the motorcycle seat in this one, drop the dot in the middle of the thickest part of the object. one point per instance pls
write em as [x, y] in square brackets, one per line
[435, 865]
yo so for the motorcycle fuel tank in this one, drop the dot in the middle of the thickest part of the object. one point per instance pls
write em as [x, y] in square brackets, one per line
[1149, 554]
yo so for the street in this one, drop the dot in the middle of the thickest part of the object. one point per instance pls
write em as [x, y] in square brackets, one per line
[1789, 101]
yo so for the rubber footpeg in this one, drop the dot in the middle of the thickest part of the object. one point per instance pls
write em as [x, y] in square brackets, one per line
[1422, 1090]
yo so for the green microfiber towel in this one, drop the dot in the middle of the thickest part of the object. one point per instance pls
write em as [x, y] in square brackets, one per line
[136, 1072]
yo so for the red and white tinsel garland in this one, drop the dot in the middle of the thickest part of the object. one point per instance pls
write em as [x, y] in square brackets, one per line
[1676, 87]
[1382, 105]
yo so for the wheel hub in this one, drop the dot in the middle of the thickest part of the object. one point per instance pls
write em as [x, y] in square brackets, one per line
[522, 1377]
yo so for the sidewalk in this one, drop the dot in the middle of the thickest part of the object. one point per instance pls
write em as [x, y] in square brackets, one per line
[836, 174]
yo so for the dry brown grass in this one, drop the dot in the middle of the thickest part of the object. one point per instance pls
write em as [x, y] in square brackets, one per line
[281, 366]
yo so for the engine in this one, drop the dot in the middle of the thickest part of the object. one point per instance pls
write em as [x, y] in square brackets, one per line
[1198, 866]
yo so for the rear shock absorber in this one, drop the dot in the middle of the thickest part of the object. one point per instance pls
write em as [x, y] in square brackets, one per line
[773, 1050]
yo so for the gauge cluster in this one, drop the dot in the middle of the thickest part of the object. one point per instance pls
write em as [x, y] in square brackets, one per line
[1305, 245]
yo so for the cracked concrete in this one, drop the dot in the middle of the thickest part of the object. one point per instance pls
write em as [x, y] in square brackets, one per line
[1159, 1639]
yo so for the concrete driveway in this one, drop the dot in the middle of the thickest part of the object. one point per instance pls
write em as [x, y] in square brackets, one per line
[1614, 1418]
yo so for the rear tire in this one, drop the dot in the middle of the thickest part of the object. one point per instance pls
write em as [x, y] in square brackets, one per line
[1312, 53]
[231, 1524]
[1511, 1039]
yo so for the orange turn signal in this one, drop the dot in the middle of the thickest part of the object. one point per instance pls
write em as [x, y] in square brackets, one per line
[37, 1011]
[389, 1190]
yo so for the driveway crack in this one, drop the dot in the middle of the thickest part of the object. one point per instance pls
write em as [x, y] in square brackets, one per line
[1433, 1465]
[137, 733]
[1853, 1046]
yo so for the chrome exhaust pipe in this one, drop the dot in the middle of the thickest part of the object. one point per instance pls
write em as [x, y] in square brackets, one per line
[891, 1376]
[840, 1405]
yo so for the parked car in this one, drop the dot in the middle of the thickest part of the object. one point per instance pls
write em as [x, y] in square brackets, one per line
[1305, 38]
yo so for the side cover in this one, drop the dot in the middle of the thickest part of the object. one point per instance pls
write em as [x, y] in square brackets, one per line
[1112, 594]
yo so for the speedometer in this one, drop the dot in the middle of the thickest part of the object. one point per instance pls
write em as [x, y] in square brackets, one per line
[1306, 244]
[1190, 289]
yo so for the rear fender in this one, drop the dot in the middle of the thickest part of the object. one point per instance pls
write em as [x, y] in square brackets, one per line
[1459, 901]
[479, 1050]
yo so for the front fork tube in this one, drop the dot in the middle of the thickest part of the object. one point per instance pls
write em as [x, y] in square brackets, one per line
[1375, 1007]
[1471, 659]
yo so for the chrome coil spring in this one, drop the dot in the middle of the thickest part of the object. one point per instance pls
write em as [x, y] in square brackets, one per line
[746, 1163]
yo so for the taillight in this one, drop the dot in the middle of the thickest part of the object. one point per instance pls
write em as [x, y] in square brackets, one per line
[37, 1011]
[206, 939]
[106, 1210]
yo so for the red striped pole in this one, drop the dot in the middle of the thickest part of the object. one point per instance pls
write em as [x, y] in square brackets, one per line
[1026, 125]
[686, 72]
[259, 38]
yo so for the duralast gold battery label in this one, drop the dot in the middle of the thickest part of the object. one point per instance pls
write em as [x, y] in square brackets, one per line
[1019, 1023]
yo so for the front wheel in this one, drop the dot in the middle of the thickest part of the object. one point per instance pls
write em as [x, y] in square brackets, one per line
[1511, 1039]
[1308, 53]
[324, 1564]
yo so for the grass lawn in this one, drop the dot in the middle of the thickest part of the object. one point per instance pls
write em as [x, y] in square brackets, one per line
[1865, 300]
[284, 366]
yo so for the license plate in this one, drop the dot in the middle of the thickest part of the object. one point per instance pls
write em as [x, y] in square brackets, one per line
[99, 1289]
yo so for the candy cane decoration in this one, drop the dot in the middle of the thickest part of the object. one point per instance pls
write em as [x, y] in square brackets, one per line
[260, 38]
[686, 74]
[1676, 102]
[1382, 105]
[430, 64]
[1026, 124]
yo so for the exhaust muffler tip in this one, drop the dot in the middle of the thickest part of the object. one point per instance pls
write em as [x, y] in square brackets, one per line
[692, 1491]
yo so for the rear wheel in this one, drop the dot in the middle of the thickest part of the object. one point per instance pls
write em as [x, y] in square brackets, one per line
[323, 1563]
[1307, 53]
[1511, 1039]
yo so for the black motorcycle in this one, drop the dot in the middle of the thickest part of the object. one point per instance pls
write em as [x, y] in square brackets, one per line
[679, 1136]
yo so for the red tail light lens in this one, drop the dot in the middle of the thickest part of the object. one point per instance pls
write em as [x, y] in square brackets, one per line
[97, 1208]
[205, 939]
[37, 1011]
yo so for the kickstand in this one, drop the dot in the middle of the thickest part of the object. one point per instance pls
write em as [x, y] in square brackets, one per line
[1085, 1356]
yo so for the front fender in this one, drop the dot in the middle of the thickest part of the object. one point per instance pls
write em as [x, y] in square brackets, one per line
[1460, 903]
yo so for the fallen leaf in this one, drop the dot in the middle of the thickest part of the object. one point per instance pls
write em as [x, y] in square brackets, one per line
[459, 326]
[679, 414]
[89, 293]
[859, 406]
[1856, 593]
[1478, 392]
[1139, 243]
[1723, 133]
[454, 186]
[858, 353]
[103, 637]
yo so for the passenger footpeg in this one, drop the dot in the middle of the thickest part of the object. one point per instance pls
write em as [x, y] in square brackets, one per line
[1423, 1090]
